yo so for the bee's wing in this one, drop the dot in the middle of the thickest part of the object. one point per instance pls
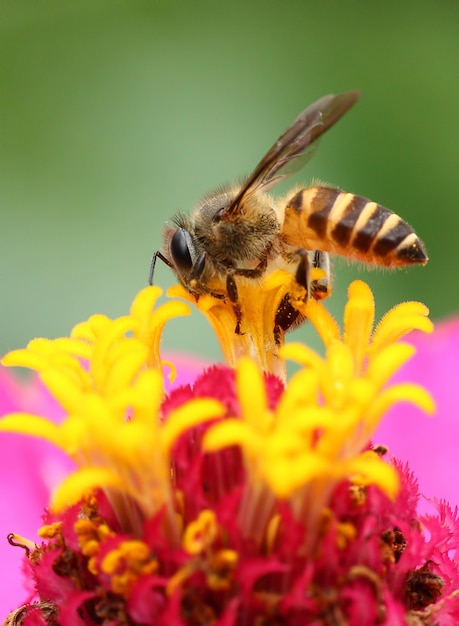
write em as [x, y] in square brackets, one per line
[296, 145]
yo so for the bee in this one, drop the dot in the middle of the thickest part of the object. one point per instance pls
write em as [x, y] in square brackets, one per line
[240, 232]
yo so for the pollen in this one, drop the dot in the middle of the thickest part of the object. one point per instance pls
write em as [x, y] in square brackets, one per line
[201, 533]
[346, 534]
[90, 535]
[50, 531]
[126, 564]
[215, 563]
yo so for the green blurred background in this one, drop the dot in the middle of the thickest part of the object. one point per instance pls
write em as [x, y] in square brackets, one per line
[114, 115]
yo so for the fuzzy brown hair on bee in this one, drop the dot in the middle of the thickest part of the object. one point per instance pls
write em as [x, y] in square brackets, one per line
[241, 232]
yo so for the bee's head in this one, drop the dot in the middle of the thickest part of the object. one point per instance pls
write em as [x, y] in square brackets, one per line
[182, 252]
[179, 253]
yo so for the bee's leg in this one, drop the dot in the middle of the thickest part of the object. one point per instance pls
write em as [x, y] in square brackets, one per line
[196, 272]
[321, 288]
[231, 289]
[303, 270]
[255, 272]
[157, 255]
[217, 294]
[198, 267]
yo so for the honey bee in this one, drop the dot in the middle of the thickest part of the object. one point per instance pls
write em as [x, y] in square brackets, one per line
[240, 232]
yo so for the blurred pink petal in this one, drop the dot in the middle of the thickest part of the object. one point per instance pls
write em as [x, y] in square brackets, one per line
[24, 492]
[430, 444]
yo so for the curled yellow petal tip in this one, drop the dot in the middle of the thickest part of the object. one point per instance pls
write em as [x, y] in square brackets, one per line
[33, 425]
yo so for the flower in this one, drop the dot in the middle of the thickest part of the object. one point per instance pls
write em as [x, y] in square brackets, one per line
[238, 500]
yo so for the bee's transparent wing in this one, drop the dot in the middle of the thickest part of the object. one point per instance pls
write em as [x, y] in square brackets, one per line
[296, 145]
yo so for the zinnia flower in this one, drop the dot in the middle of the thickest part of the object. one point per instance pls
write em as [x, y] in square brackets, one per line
[241, 499]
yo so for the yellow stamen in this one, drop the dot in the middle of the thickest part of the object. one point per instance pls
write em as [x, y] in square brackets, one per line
[125, 564]
[220, 569]
[201, 533]
[49, 531]
[346, 533]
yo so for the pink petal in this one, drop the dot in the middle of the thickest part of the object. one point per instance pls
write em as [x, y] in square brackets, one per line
[430, 444]
[29, 469]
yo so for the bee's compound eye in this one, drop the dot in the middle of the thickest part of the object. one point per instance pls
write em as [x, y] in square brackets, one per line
[181, 246]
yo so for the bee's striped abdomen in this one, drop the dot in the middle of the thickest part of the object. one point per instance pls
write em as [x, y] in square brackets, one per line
[328, 219]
